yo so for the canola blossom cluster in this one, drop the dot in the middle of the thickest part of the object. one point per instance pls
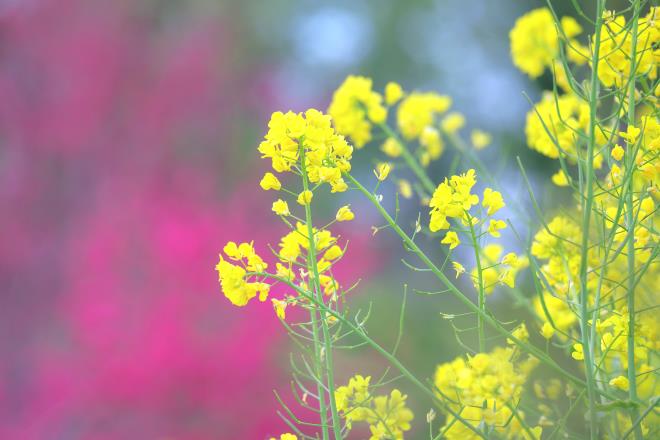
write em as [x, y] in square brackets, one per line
[610, 263]
[537, 41]
[388, 416]
[292, 136]
[421, 117]
[485, 389]
[616, 42]
[453, 199]
[305, 144]
[589, 337]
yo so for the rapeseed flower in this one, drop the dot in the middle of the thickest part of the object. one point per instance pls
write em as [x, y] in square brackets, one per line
[355, 107]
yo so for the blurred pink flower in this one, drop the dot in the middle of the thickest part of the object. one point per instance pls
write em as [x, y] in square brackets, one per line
[111, 173]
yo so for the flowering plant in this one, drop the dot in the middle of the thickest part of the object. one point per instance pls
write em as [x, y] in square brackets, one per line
[593, 262]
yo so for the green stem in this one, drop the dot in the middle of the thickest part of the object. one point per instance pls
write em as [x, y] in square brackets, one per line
[630, 221]
[481, 293]
[586, 221]
[327, 341]
[319, 372]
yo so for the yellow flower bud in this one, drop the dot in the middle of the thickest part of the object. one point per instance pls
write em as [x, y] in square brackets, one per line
[453, 122]
[382, 171]
[547, 331]
[305, 197]
[480, 139]
[280, 207]
[620, 382]
[560, 178]
[618, 152]
[269, 181]
[451, 238]
[393, 92]
[344, 214]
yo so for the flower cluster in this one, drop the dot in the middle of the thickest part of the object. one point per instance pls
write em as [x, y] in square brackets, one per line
[388, 416]
[295, 242]
[310, 135]
[355, 107]
[595, 261]
[453, 199]
[616, 47]
[416, 119]
[498, 269]
[286, 436]
[535, 44]
[599, 256]
[555, 124]
[233, 277]
[485, 389]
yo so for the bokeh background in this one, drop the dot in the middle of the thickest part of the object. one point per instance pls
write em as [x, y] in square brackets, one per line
[128, 135]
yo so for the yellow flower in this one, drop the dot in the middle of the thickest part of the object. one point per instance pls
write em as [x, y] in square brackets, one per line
[481, 390]
[386, 415]
[345, 214]
[233, 278]
[453, 122]
[280, 308]
[281, 141]
[560, 178]
[614, 64]
[495, 226]
[452, 198]
[418, 110]
[382, 171]
[389, 415]
[280, 207]
[284, 272]
[620, 382]
[405, 189]
[305, 197]
[647, 206]
[520, 333]
[391, 147]
[286, 436]
[431, 145]
[493, 201]
[547, 331]
[618, 152]
[535, 42]
[269, 181]
[451, 238]
[510, 259]
[631, 134]
[327, 154]
[615, 174]
[393, 92]
[578, 352]
[480, 139]
[329, 174]
[354, 107]
[555, 122]
[333, 253]
[458, 267]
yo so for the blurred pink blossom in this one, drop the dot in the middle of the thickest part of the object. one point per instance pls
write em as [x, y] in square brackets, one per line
[115, 205]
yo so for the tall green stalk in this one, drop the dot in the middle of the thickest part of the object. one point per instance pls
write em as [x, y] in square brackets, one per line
[630, 223]
[587, 203]
[327, 341]
[481, 328]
